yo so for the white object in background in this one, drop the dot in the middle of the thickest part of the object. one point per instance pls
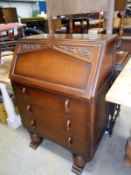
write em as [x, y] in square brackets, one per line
[92, 31]
[13, 120]
[95, 30]
[6, 57]
[43, 14]
[15, 31]
[110, 16]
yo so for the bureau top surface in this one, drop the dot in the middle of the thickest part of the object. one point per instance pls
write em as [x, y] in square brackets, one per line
[83, 37]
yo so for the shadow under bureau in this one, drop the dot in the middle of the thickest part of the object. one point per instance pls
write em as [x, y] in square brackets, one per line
[60, 82]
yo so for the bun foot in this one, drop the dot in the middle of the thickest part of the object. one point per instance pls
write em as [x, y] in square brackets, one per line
[78, 165]
[36, 140]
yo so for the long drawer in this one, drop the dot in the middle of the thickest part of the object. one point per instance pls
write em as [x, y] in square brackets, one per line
[33, 112]
[66, 140]
[57, 120]
[55, 102]
[65, 123]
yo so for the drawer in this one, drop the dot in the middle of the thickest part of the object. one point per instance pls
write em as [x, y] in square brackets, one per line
[66, 124]
[66, 140]
[24, 110]
[54, 102]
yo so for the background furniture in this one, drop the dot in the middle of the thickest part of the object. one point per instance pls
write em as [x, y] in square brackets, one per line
[9, 34]
[1, 16]
[68, 8]
[120, 93]
[38, 23]
[120, 5]
[13, 119]
[7, 45]
[10, 15]
[125, 43]
[114, 109]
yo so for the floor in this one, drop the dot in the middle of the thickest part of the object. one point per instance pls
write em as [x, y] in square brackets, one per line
[16, 157]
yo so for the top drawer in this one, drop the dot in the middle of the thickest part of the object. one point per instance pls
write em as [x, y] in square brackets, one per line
[51, 101]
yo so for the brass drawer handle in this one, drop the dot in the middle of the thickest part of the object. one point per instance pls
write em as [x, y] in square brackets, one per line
[24, 91]
[68, 125]
[70, 141]
[29, 109]
[33, 124]
[67, 105]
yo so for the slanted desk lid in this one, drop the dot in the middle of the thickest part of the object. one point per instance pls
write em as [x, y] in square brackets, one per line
[48, 65]
[53, 68]
[58, 65]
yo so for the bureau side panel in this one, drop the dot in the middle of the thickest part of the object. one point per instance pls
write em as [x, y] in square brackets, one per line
[106, 63]
[100, 113]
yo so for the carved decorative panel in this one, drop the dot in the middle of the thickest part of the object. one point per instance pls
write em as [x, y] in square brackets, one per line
[85, 52]
[29, 47]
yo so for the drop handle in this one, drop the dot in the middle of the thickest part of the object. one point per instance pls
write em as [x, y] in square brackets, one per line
[33, 124]
[29, 109]
[70, 141]
[68, 125]
[67, 105]
[24, 91]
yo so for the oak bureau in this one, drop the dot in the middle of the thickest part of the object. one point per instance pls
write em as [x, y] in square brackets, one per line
[60, 82]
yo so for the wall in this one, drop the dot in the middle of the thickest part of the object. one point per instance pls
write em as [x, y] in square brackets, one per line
[24, 9]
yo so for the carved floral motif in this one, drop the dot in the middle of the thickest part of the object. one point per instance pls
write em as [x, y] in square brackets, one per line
[80, 51]
[29, 47]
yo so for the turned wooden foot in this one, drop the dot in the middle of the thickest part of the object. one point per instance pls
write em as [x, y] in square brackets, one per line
[36, 140]
[127, 157]
[78, 164]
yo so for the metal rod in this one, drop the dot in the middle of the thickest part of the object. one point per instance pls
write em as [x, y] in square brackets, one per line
[110, 15]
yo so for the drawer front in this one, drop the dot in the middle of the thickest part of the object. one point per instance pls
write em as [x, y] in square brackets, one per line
[66, 140]
[67, 124]
[24, 110]
[33, 111]
[56, 120]
[58, 103]
[53, 126]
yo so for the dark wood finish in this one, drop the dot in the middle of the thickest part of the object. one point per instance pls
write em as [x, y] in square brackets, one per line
[35, 140]
[60, 82]
[10, 15]
[121, 60]
[125, 43]
[113, 113]
[120, 5]
[78, 164]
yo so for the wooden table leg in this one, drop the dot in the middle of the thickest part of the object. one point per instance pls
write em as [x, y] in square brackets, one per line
[127, 156]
